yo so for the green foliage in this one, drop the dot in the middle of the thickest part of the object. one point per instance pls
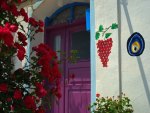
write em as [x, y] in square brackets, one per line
[107, 35]
[111, 105]
[104, 31]
[114, 26]
[101, 28]
[97, 35]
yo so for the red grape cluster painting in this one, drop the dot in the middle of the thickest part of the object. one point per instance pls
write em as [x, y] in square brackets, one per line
[104, 46]
[104, 50]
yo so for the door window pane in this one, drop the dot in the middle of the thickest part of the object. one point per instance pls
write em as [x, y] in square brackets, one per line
[81, 42]
[57, 45]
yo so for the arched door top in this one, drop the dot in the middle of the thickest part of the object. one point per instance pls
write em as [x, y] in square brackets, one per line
[67, 14]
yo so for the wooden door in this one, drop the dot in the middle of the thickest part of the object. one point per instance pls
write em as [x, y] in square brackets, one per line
[75, 91]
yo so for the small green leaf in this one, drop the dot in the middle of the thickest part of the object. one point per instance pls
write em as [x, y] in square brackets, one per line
[107, 35]
[101, 28]
[114, 26]
[97, 35]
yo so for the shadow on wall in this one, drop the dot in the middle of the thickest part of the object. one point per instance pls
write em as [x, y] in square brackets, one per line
[143, 76]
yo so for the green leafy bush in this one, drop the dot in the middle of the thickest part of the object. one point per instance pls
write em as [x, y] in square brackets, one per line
[121, 104]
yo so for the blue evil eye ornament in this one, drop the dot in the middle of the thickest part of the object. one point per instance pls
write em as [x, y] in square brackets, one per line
[135, 44]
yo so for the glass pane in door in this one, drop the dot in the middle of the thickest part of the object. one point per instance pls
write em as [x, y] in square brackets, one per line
[81, 41]
[57, 45]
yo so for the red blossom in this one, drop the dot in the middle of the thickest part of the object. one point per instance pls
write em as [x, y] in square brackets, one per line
[17, 94]
[6, 36]
[3, 87]
[24, 14]
[19, 1]
[5, 6]
[47, 62]
[97, 95]
[33, 22]
[7, 25]
[13, 28]
[9, 99]
[22, 38]
[21, 51]
[39, 30]
[12, 108]
[41, 23]
[30, 102]
[21, 54]
[56, 92]
[40, 91]
[40, 110]
[45, 72]
[14, 10]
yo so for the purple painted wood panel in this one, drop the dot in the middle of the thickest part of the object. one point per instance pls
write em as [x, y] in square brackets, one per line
[75, 92]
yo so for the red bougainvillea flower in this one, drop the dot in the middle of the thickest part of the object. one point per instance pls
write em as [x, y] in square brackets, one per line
[17, 94]
[47, 56]
[14, 10]
[19, 1]
[40, 91]
[21, 51]
[24, 14]
[12, 108]
[43, 49]
[5, 6]
[41, 23]
[40, 110]
[6, 36]
[22, 38]
[13, 28]
[33, 22]
[30, 102]
[97, 95]
[9, 99]
[3, 87]
[39, 30]
[56, 92]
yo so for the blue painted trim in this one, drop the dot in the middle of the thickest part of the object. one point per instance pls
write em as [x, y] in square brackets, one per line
[88, 19]
[49, 19]
[93, 47]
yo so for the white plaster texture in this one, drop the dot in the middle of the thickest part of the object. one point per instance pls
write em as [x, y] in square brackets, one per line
[107, 78]
[135, 70]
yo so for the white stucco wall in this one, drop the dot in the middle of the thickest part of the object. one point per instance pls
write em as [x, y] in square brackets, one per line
[135, 70]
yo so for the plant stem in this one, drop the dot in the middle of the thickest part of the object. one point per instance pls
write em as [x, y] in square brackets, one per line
[105, 31]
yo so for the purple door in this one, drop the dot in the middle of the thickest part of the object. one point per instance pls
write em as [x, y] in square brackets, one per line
[75, 91]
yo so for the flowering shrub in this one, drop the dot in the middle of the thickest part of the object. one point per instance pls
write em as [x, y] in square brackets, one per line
[22, 90]
[111, 105]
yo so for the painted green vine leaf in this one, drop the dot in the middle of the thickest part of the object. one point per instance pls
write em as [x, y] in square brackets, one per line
[101, 28]
[107, 35]
[114, 26]
[97, 35]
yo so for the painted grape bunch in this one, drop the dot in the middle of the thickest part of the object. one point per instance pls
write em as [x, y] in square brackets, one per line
[104, 50]
[104, 46]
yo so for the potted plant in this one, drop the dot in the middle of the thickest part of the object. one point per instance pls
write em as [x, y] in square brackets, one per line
[121, 104]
